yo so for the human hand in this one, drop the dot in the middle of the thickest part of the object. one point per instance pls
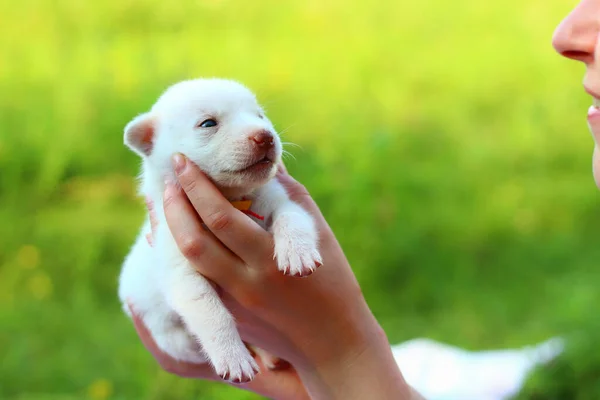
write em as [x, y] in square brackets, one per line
[281, 382]
[321, 324]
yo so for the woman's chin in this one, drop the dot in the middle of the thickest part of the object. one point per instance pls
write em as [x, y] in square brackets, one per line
[596, 165]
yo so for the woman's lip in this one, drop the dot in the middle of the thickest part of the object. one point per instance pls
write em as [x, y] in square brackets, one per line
[593, 113]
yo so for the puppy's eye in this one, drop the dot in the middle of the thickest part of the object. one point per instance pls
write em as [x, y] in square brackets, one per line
[209, 123]
[261, 116]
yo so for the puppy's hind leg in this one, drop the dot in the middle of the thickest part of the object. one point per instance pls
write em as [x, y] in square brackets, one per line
[205, 316]
[172, 337]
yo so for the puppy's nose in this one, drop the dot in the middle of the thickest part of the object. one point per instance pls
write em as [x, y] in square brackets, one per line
[263, 138]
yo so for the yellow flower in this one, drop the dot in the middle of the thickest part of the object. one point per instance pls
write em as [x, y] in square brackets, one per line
[28, 257]
[100, 389]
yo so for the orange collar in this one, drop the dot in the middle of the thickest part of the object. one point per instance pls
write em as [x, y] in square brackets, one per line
[244, 206]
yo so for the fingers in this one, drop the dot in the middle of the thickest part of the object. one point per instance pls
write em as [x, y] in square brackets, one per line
[236, 230]
[298, 193]
[197, 244]
[282, 168]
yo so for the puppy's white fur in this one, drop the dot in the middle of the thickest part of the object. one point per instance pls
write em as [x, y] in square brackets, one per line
[180, 308]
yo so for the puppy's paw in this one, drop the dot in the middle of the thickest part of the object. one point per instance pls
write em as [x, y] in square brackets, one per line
[236, 365]
[296, 245]
[297, 259]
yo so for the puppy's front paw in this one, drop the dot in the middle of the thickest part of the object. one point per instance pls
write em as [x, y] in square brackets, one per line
[296, 246]
[236, 364]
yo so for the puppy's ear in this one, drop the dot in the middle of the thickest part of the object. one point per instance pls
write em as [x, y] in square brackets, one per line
[139, 134]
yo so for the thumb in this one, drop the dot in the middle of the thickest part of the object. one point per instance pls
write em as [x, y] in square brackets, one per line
[297, 192]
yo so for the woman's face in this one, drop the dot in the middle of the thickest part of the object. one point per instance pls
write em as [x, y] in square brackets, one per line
[577, 38]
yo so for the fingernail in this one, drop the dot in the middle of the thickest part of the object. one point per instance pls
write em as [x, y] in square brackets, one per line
[280, 365]
[281, 167]
[178, 163]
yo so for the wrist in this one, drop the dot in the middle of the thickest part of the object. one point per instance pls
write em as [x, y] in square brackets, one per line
[360, 366]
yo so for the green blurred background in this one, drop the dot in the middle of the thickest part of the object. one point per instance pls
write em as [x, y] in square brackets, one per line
[445, 142]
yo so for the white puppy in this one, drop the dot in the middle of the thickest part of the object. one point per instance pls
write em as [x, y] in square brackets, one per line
[218, 125]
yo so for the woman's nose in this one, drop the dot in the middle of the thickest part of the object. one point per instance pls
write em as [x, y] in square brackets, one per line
[576, 35]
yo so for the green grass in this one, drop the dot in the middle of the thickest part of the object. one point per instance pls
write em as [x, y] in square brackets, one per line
[445, 142]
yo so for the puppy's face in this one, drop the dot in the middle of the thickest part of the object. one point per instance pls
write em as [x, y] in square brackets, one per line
[217, 124]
